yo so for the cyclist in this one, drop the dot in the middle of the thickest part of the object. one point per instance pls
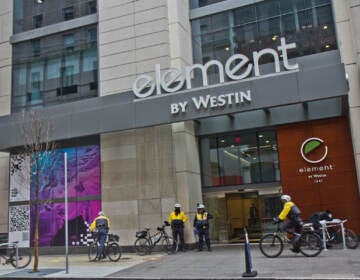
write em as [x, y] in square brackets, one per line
[101, 226]
[177, 218]
[294, 222]
[315, 219]
[201, 224]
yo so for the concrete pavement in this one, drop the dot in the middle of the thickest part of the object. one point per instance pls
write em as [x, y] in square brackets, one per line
[224, 262]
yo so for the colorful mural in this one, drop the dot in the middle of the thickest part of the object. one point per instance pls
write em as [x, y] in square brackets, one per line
[83, 173]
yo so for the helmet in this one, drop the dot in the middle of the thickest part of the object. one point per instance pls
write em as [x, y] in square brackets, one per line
[200, 206]
[285, 197]
[177, 205]
[101, 213]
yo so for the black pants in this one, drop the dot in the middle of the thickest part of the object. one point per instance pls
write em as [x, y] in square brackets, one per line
[295, 224]
[204, 233]
[178, 235]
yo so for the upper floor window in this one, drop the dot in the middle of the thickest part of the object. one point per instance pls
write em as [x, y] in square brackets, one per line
[26, 13]
[69, 42]
[201, 3]
[38, 21]
[68, 13]
[250, 28]
[92, 7]
[55, 69]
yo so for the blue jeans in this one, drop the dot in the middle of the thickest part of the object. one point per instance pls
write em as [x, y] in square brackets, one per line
[102, 235]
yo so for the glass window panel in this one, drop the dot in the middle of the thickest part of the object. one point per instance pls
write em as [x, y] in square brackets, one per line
[267, 9]
[73, 62]
[288, 24]
[201, 3]
[53, 68]
[205, 25]
[220, 22]
[287, 6]
[68, 13]
[36, 79]
[305, 19]
[245, 15]
[89, 60]
[322, 2]
[269, 156]
[324, 15]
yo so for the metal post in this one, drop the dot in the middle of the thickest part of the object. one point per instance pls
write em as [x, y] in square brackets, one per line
[17, 254]
[66, 215]
[343, 234]
[323, 234]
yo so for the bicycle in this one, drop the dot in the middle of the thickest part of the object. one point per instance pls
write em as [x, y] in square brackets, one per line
[272, 244]
[335, 237]
[146, 242]
[112, 248]
[8, 254]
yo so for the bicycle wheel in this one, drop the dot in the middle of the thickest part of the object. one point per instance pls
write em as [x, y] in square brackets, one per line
[113, 252]
[310, 244]
[24, 258]
[351, 239]
[142, 246]
[169, 245]
[92, 251]
[271, 245]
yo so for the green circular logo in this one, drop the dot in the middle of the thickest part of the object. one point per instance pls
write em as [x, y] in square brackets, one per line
[311, 146]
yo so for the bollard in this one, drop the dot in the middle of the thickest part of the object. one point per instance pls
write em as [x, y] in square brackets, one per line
[248, 262]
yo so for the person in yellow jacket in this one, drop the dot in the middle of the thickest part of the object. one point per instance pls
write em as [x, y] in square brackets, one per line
[201, 225]
[177, 219]
[294, 222]
[101, 226]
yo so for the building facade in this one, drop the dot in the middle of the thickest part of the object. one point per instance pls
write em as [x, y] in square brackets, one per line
[228, 103]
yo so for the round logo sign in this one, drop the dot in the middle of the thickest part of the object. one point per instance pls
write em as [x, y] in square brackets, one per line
[313, 150]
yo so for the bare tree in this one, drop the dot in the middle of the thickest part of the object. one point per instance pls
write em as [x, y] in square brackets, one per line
[36, 130]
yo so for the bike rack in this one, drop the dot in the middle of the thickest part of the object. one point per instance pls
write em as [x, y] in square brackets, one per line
[334, 222]
[13, 244]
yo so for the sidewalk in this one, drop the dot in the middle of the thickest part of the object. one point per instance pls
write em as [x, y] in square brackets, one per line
[224, 262]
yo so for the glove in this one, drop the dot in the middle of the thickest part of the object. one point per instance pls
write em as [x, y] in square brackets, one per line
[276, 220]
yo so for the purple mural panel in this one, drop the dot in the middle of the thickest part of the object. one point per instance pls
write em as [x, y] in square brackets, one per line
[83, 167]
[52, 216]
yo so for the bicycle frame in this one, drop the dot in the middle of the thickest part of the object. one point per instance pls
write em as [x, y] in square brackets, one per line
[325, 233]
[6, 257]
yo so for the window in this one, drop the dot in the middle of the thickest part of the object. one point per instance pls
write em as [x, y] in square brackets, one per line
[92, 7]
[69, 42]
[35, 44]
[38, 21]
[308, 23]
[237, 159]
[68, 13]
[68, 70]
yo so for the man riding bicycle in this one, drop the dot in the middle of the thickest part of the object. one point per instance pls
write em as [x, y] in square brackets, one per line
[294, 224]
[101, 226]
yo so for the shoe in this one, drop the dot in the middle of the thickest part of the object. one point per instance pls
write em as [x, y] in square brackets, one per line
[295, 250]
[209, 250]
[199, 250]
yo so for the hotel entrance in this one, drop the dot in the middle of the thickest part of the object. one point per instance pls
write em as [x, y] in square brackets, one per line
[234, 211]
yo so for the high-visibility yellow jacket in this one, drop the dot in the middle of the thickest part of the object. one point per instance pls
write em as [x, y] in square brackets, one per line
[290, 211]
[177, 220]
[100, 221]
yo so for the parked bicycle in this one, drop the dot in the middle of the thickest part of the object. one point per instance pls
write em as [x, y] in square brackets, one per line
[333, 234]
[8, 254]
[272, 244]
[146, 242]
[112, 248]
